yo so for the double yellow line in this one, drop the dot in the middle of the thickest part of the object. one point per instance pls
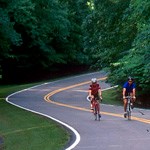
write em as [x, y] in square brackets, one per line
[47, 98]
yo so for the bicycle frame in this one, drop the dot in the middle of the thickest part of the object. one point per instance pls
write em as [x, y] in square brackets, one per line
[96, 106]
[128, 107]
[96, 109]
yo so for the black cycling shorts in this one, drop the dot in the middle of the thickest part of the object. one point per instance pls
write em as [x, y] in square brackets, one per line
[128, 93]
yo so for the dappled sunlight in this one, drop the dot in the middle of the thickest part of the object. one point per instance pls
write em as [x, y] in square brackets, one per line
[91, 4]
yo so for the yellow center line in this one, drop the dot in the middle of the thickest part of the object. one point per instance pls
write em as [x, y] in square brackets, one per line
[47, 98]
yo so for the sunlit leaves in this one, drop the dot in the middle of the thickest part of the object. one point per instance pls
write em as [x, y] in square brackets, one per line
[136, 62]
[117, 35]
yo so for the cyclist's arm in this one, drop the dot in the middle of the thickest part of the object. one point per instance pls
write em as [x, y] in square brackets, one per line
[134, 93]
[123, 92]
[90, 94]
[100, 93]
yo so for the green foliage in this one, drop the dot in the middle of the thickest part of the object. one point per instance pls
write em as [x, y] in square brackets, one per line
[38, 35]
[8, 35]
[74, 45]
[136, 62]
[117, 36]
[41, 29]
[103, 32]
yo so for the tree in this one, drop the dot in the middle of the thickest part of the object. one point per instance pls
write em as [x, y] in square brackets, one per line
[136, 62]
[103, 32]
[46, 34]
[8, 35]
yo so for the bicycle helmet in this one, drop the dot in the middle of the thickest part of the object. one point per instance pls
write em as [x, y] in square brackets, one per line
[130, 78]
[94, 80]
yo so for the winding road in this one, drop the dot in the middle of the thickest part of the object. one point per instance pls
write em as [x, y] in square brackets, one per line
[65, 102]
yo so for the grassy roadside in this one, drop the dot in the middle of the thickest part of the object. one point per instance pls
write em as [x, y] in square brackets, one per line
[111, 97]
[23, 130]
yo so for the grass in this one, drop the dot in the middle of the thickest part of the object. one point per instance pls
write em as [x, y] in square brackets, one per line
[5, 90]
[24, 130]
[112, 97]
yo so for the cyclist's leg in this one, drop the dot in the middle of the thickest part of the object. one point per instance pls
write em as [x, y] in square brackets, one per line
[94, 105]
[132, 101]
[98, 108]
[99, 114]
[125, 107]
[94, 108]
[91, 105]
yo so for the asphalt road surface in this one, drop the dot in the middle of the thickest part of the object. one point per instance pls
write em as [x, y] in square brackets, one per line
[65, 102]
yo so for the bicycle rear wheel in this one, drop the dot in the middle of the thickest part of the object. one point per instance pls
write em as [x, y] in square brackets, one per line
[96, 113]
[129, 115]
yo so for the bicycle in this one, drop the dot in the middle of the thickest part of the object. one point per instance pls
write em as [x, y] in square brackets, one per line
[129, 107]
[96, 108]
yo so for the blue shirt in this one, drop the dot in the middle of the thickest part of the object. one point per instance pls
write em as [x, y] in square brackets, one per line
[129, 87]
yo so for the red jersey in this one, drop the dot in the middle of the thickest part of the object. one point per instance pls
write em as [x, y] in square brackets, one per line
[94, 88]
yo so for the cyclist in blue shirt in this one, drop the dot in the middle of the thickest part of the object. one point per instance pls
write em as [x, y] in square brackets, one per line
[129, 88]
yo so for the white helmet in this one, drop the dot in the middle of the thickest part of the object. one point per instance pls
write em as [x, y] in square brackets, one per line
[94, 80]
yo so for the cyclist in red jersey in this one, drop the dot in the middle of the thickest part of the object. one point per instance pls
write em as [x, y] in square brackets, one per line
[94, 91]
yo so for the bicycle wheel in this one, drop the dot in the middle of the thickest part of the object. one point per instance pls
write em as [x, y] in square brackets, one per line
[96, 112]
[129, 115]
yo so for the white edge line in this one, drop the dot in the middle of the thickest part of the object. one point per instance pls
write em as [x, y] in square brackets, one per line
[115, 105]
[110, 88]
[71, 128]
[64, 124]
[104, 90]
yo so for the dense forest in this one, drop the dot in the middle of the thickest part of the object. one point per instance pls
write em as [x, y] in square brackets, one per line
[43, 37]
